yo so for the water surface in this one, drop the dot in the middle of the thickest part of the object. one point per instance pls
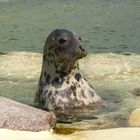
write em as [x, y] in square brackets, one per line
[115, 77]
[105, 25]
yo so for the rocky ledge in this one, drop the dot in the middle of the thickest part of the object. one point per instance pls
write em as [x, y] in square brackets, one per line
[108, 134]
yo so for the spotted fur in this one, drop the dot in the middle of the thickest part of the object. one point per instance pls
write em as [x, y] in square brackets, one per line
[61, 85]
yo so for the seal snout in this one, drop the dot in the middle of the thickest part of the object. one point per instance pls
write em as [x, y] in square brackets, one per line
[83, 49]
[83, 52]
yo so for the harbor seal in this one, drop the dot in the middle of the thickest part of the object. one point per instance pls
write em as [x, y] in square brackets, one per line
[61, 85]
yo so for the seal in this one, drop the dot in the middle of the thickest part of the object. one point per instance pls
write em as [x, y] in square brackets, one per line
[61, 85]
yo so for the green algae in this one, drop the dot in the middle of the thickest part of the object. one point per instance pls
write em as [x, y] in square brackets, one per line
[2, 53]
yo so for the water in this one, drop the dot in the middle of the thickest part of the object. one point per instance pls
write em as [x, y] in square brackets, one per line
[104, 25]
[115, 77]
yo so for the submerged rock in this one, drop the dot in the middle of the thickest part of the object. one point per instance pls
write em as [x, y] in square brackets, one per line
[108, 134]
[134, 119]
[17, 116]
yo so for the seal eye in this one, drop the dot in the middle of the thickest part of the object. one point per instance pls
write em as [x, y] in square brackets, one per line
[80, 38]
[62, 41]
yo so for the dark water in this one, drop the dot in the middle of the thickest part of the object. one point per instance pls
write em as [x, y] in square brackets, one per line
[105, 25]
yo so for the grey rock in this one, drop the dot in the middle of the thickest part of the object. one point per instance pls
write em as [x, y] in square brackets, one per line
[18, 116]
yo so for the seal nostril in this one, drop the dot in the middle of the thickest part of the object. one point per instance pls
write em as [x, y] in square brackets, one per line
[81, 48]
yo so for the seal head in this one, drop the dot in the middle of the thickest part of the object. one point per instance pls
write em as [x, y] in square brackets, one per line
[67, 47]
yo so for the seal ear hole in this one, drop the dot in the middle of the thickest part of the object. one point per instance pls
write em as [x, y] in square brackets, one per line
[80, 38]
[62, 41]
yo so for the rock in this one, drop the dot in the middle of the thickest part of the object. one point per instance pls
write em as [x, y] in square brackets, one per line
[135, 92]
[17, 116]
[107, 134]
[6, 134]
[134, 119]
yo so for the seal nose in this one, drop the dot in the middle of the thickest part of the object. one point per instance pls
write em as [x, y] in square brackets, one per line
[82, 49]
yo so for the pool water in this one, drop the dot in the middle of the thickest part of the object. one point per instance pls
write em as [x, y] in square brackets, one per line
[115, 77]
[104, 25]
